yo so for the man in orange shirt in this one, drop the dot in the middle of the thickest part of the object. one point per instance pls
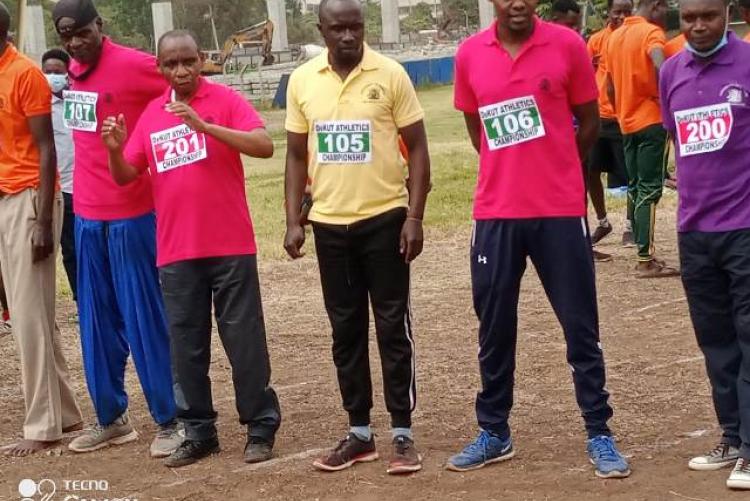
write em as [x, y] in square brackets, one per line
[30, 226]
[607, 154]
[744, 8]
[634, 55]
[674, 46]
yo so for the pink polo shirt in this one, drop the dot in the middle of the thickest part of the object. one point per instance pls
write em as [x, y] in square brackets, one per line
[198, 181]
[123, 81]
[529, 165]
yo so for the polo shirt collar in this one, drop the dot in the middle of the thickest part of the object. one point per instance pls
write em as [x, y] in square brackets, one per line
[203, 90]
[634, 20]
[538, 37]
[725, 56]
[8, 56]
[369, 61]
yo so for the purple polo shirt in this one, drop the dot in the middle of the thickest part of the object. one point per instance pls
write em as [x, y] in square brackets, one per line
[706, 109]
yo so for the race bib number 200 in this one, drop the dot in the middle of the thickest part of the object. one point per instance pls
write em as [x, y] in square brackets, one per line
[79, 110]
[344, 141]
[177, 147]
[703, 130]
[511, 122]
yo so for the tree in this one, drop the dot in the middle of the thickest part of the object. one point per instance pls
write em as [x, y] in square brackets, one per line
[420, 18]
[301, 26]
[373, 20]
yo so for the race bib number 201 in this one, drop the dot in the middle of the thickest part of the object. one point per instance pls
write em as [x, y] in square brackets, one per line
[511, 122]
[703, 130]
[344, 141]
[177, 147]
[79, 110]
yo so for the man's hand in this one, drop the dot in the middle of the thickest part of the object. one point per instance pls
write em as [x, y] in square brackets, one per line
[294, 240]
[412, 239]
[188, 115]
[42, 243]
[114, 132]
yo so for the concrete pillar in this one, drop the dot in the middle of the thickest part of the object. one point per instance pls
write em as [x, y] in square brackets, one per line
[34, 34]
[161, 13]
[277, 15]
[391, 23]
[486, 14]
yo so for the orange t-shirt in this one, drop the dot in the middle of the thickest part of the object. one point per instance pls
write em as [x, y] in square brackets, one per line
[633, 74]
[24, 93]
[674, 46]
[596, 45]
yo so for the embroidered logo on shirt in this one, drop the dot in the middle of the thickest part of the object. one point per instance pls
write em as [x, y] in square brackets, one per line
[373, 93]
[544, 85]
[735, 94]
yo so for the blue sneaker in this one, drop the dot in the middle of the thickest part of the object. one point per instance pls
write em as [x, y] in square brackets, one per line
[486, 449]
[606, 458]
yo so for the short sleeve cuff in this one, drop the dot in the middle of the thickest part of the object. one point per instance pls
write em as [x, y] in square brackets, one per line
[402, 122]
[296, 128]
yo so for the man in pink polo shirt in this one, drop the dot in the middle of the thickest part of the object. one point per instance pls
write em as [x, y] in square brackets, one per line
[120, 305]
[191, 137]
[520, 84]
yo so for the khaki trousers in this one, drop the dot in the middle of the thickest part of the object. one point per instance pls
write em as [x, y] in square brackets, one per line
[30, 287]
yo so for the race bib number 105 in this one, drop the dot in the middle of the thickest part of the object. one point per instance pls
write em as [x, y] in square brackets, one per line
[177, 147]
[511, 122]
[344, 141]
[703, 130]
[79, 110]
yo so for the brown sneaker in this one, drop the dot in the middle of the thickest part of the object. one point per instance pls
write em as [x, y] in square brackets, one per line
[405, 458]
[349, 451]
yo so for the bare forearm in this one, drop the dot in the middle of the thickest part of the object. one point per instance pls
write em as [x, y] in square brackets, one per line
[47, 179]
[586, 137]
[122, 172]
[256, 143]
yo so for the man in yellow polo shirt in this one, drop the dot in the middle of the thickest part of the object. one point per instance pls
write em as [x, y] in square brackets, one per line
[345, 111]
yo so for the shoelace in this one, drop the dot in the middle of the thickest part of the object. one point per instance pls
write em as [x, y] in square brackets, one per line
[479, 446]
[604, 449]
[742, 466]
[719, 451]
[402, 445]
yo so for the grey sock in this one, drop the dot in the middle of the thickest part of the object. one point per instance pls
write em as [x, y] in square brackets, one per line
[361, 432]
[402, 432]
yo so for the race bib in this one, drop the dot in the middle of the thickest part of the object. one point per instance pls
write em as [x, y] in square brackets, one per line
[79, 110]
[703, 130]
[177, 147]
[344, 141]
[511, 122]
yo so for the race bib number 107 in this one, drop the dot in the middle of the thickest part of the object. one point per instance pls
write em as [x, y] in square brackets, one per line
[79, 110]
[703, 130]
[177, 147]
[511, 122]
[344, 141]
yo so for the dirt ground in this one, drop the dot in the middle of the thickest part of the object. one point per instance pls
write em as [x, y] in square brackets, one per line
[663, 411]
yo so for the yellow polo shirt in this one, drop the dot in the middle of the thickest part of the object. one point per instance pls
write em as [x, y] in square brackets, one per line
[354, 161]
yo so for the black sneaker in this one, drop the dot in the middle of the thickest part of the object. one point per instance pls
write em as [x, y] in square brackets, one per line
[258, 450]
[600, 232]
[191, 451]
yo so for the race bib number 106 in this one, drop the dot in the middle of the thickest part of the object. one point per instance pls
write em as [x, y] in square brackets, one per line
[177, 147]
[344, 141]
[703, 130]
[511, 122]
[79, 110]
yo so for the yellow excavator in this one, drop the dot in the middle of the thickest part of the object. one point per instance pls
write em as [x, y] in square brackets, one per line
[259, 35]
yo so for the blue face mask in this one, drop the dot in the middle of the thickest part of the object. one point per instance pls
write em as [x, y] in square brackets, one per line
[57, 83]
[708, 53]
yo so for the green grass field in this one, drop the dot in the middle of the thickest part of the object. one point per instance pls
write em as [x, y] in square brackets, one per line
[453, 173]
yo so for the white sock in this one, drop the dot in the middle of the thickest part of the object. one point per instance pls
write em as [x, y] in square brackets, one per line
[402, 432]
[361, 432]
[604, 222]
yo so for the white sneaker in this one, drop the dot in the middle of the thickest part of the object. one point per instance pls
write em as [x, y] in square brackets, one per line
[118, 433]
[740, 476]
[721, 456]
[167, 440]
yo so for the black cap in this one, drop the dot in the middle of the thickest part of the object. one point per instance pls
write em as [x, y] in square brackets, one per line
[81, 11]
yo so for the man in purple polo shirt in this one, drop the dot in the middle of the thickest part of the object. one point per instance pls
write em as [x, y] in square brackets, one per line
[705, 99]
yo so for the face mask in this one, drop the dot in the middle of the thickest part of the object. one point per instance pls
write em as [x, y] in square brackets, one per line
[57, 83]
[722, 43]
